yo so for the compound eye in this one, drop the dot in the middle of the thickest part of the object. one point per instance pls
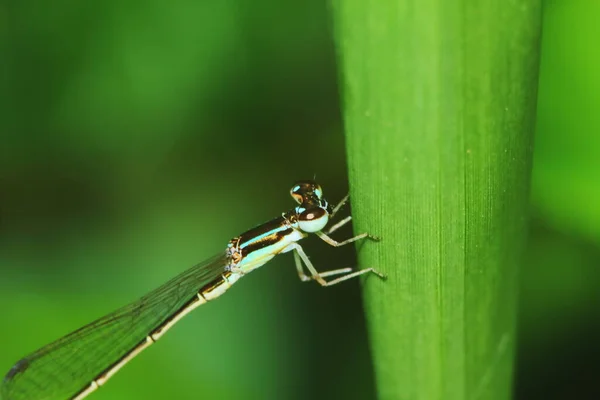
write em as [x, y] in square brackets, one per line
[306, 191]
[318, 192]
[313, 219]
[297, 194]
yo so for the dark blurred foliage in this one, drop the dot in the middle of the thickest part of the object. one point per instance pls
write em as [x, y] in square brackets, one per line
[559, 350]
[138, 137]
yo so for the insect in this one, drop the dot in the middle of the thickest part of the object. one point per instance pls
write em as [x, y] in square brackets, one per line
[77, 364]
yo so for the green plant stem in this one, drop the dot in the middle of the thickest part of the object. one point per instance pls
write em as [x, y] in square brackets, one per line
[439, 109]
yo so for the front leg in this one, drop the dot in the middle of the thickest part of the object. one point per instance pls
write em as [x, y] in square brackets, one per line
[332, 242]
[340, 205]
[337, 226]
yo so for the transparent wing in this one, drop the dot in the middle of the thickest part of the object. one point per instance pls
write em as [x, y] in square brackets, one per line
[61, 369]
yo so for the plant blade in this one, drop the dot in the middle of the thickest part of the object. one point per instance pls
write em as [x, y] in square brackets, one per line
[439, 108]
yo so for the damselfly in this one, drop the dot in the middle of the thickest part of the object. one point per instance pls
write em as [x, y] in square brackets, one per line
[76, 365]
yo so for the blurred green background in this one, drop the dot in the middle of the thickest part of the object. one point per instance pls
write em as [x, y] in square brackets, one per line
[138, 138]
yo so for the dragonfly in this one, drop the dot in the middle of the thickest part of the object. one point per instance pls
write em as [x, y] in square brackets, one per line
[77, 364]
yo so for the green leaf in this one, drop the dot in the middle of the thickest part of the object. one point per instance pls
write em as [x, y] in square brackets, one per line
[439, 110]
